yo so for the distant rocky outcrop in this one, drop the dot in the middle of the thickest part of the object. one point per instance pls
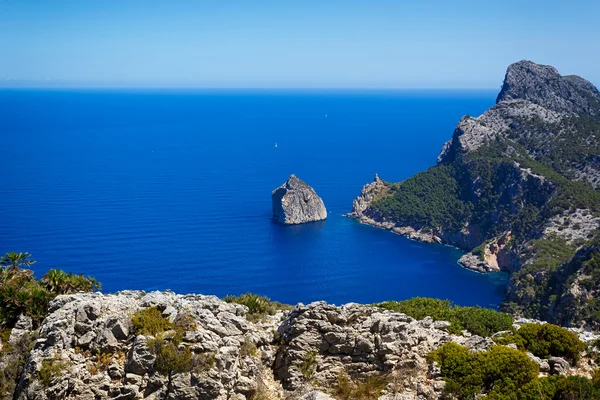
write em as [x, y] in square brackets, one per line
[295, 202]
[518, 189]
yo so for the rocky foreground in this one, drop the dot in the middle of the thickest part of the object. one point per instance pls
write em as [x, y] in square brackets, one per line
[88, 347]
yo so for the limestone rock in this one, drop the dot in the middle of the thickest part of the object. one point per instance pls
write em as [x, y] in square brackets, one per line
[543, 85]
[299, 354]
[295, 202]
[558, 365]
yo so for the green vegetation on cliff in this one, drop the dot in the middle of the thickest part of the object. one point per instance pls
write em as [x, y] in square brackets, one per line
[477, 320]
[429, 199]
[496, 372]
[546, 340]
[502, 373]
[258, 306]
[22, 293]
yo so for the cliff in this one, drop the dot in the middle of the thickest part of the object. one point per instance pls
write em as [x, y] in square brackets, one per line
[160, 345]
[516, 189]
[295, 202]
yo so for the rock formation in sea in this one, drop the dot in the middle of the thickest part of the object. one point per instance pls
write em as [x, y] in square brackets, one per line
[95, 346]
[517, 188]
[295, 202]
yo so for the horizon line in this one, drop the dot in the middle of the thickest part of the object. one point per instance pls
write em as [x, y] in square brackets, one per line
[225, 88]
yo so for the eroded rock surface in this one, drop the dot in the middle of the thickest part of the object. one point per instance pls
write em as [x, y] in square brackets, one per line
[92, 338]
[90, 341]
[295, 202]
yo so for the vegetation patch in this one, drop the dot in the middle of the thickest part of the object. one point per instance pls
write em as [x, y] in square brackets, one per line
[496, 372]
[22, 293]
[308, 367]
[13, 357]
[561, 388]
[477, 320]
[545, 341]
[429, 199]
[170, 359]
[504, 373]
[258, 306]
[150, 321]
[52, 369]
[369, 388]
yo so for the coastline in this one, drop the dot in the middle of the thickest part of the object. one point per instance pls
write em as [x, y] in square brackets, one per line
[413, 234]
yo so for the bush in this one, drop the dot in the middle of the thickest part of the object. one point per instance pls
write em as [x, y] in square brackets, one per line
[477, 320]
[61, 282]
[547, 340]
[22, 293]
[51, 369]
[497, 371]
[169, 358]
[560, 388]
[308, 367]
[369, 388]
[12, 358]
[258, 306]
[149, 321]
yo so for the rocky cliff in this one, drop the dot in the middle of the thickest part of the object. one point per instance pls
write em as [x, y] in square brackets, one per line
[516, 189]
[95, 346]
[295, 202]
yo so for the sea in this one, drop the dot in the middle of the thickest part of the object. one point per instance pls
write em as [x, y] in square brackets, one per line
[158, 189]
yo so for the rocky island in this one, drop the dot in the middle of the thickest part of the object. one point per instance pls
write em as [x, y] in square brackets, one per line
[295, 202]
[517, 189]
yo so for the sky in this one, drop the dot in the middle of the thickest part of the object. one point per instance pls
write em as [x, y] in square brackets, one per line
[292, 43]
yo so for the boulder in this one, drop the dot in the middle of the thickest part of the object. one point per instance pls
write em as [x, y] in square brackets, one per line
[295, 202]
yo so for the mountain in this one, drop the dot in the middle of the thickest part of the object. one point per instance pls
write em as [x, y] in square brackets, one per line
[517, 188]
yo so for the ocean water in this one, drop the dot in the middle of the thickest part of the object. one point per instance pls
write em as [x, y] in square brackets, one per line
[168, 189]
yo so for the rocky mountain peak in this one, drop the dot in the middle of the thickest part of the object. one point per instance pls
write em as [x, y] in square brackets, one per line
[543, 85]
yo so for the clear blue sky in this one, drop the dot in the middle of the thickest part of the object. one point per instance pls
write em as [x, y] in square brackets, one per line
[292, 43]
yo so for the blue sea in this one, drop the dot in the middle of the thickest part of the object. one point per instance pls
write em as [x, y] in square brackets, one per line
[171, 189]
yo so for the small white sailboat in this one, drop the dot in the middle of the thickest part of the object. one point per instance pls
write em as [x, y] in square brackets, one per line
[275, 144]
[325, 115]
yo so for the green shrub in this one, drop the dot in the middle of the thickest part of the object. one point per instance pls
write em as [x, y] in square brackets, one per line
[510, 338]
[52, 369]
[477, 320]
[548, 340]
[13, 357]
[169, 358]
[494, 372]
[61, 282]
[150, 321]
[560, 388]
[22, 293]
[258, 306]
[369, 388]
[308, 367]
